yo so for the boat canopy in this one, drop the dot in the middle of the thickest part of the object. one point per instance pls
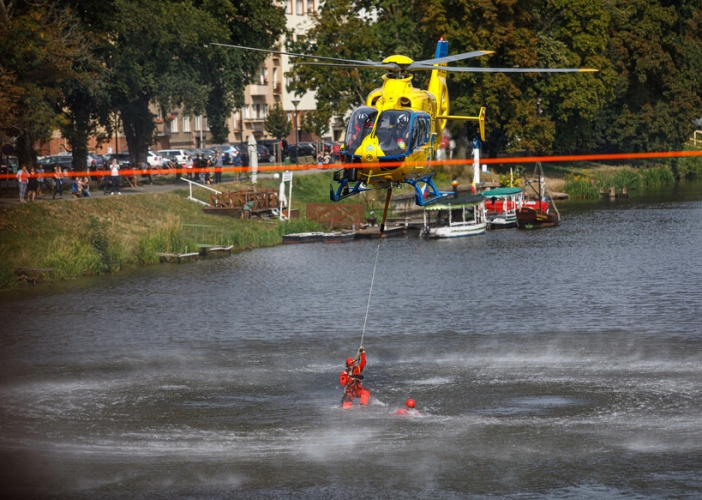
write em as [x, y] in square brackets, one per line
[503, 191]
[449, 203]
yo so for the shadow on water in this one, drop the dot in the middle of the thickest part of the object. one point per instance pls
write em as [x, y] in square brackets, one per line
[561, 363]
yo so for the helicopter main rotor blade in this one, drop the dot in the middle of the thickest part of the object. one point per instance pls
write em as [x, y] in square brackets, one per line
[293, 54]
[455, 57]
[504, 70]
[388, 67]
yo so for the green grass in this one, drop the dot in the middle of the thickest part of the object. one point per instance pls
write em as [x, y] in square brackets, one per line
[588, 184]
[107, 234]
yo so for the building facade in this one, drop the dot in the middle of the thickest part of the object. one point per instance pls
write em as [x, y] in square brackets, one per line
[175, 129]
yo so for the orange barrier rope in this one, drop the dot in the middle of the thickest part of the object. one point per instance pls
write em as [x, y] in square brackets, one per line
[333, 166]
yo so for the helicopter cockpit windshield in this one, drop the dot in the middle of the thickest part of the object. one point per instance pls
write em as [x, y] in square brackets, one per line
[393, 132]
[360, 125]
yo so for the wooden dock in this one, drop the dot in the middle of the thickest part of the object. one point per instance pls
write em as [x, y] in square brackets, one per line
[203, 252]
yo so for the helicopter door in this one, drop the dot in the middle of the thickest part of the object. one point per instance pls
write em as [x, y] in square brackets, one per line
[420, 131]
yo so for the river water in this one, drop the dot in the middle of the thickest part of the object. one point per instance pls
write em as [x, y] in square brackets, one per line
[557, 363]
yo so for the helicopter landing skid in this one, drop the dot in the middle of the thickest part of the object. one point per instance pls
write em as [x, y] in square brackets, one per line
[344, 190]
[432, 194]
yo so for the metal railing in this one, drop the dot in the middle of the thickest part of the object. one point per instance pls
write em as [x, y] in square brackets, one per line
[197, 184]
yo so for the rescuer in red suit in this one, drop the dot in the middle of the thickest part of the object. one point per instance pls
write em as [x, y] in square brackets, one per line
[351, 377]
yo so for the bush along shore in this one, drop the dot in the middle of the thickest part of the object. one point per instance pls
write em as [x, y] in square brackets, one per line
[589, 183]
[107, 234]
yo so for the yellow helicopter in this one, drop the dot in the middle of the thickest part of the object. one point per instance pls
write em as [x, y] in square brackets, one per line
[392, 139]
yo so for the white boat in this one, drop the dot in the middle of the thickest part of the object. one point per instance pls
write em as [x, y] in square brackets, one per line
[457, 217]
[502, 205]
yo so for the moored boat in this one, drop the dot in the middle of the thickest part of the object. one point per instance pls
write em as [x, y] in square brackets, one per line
[541, 213]
[501, 205]
[455, 217]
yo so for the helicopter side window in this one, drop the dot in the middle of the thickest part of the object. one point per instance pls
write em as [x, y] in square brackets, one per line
[360, 125]
[421, 126]
[416, 139]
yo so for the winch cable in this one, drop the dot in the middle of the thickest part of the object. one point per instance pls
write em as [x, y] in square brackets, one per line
[370, 293]
[375, 265]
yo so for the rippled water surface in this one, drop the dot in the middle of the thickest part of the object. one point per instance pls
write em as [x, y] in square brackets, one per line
[561, 363]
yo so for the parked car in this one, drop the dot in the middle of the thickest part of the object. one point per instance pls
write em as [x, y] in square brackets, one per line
[178, 156]
[205, 153]
[296, 151]
[274, 144]
[99, 161]
[230, 154]
[154, 160]
[9, 165]
[264, 154]
[65, 161]
[123, 160]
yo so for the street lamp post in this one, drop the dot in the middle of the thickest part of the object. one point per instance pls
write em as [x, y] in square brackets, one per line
[295, 102]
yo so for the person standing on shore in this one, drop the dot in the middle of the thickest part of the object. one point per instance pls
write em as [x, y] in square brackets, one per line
[32, 185]
[58, 182]
[22, 180]
[219, 164]
[114, 177]
[40, 179]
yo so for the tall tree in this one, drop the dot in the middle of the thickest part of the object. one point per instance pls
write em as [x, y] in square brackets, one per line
[316, 122]
[341, 30]
[656, 49]
[160, 53]
[277, 123]
[43, 44]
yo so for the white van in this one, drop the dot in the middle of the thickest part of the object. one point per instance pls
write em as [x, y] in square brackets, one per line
[178, 156]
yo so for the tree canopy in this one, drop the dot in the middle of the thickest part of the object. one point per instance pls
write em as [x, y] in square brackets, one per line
[69, 64]
[73, 64]
[644, 97]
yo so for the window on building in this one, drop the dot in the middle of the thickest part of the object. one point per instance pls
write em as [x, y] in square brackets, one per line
[207, 125]
[186, 124]
[263, 79]
[258, 111]
[198, 123]
[289, 7]
[265, 111]
[246, 112]
[159, 113]
[235, 125]
[275, 76]
[310, 6]
[298, 8]
[174, 125]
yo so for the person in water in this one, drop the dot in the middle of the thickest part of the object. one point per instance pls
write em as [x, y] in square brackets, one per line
[409, 408]
[351, 377]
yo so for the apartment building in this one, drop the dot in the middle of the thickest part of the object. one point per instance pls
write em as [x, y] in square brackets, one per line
[176, 129]
[269, 90]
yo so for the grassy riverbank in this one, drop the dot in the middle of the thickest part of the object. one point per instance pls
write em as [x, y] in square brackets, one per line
[110, 233]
